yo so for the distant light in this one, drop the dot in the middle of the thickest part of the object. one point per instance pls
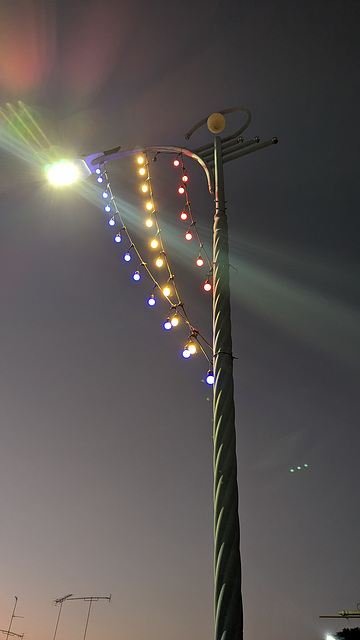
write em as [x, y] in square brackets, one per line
[105, 195]
[210, 378]
[154, 243]
[100, 179]
[127, 257]
[181, 190]
[188, 235]
[149, 223]
[166, 291]
[292, 470]
[330, 638]
[207, 285]
[186, 353]
[298, 467]
[136, 276]
[149, 206]
[167, 324]
[151, 301]
[176, 162]
[107, 208]
[159, 262]
[199, 261]
[112, 222]
[118, 238]
[306, 465]
[140, 160]
[183, 215]
[185, 178]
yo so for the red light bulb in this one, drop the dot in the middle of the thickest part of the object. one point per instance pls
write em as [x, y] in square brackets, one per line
[185, 178]
[183, 215]
[188, 235]
[181, 190]
[199, 261]
[176, 162]
[207, 285]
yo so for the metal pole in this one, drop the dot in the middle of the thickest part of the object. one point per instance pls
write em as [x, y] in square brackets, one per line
[228, 608]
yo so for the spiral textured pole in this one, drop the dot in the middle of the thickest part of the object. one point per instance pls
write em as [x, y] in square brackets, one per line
[228, 608]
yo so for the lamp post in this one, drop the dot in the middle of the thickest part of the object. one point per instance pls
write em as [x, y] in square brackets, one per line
[228, 609]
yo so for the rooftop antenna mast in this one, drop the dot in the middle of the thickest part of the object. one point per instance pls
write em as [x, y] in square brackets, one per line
[89, 599]
[60, 601]
[8, 632]
[346, 614]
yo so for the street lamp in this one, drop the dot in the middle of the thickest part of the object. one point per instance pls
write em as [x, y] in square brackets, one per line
[228, 608]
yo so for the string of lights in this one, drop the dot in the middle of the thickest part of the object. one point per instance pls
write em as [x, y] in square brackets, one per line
[169, 290]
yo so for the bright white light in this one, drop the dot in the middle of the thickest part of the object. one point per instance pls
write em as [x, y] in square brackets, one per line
[210, 377]
[62, 173]
[186, 353]
[330, 638]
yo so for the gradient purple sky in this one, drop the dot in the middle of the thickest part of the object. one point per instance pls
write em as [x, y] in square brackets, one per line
[106, 434]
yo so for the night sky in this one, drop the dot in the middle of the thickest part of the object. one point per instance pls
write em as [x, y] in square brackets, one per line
[106, 431]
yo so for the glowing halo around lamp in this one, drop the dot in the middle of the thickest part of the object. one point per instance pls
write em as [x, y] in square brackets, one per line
[62, 173]
[216, 123]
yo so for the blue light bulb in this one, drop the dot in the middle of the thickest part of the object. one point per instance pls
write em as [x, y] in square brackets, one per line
[136, 276]
[107, 208]
[167, 324]
[112, 222]
[127, 257]
[118, 238]
[105, 195]
[100, 179]
[186, 353]
[151, 301]
[98, 170]
[209, 377]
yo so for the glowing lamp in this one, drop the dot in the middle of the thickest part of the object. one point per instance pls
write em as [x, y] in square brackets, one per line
[183, 215]
[98, 171]
[145, 188]
[100, 179]
[65, 172]
[176, 162]
[159, 262]
[199, 261]
[149, 206]
[112, 222]
[166, 291]
[167, 324]
[209, 379]
[188, 235]
[207, 285]
[192, 348]
[149, 223]
[186, 353]
[105, 195]
[151, 301]
[140, 159]
[136, 276]
[107, 208]
[175, 320]
[181, 190]
[185, 178]
[118, 238]
[127, 257]
[154, 243]
[142, 171]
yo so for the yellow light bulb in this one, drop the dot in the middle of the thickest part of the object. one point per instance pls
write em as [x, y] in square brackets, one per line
[175, 321]
[149, 206]
[154, 244]
[140, 159]
[145, 188]
[159, 263]
[192, 348]
[142, 171]
[166, 291]
[149, 223]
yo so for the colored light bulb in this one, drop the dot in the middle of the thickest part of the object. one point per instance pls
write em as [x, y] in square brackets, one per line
[145, 188]
[100, 179]
[154, 243]
[185, 178]
[181, 190]
[183, 215]
[98, 171]
[149, 206]
[149, 223]
[118, 238]
[107, 208]
[140, 159]
[166, 291]
[199, 261]
[151, 301]
[175, 320]
[192, 348]
[142, 171]
[176, 162]
[159, 262]
[210, 377]
[188, 235]
[167, 324]
[105, 195]
[127, 257]
[136, 276]
[186, 353]
[112, 222]
[207, 285]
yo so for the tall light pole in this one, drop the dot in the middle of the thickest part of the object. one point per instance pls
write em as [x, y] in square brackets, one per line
[228, 609]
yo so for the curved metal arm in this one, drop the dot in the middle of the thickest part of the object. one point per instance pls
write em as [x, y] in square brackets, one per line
[246, 112]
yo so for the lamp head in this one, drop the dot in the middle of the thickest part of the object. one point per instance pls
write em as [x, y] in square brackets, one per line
[216, 123]
[65, 172]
